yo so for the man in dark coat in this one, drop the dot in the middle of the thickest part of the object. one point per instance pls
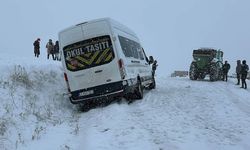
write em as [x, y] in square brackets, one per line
[36, 45]
[225, 69]
[238, 71]
[154, 66]
[50, 49]
[244, 72]
[56, 50]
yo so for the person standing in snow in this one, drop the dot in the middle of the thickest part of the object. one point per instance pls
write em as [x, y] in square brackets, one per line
[244, 72]
[238, 71]
[225, 69]
[50, 49]
[36, 45]
[154, 66]
[56, 50]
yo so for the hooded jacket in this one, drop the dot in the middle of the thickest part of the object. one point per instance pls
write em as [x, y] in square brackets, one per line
[50, 47]
[238, 67]
[244, 69]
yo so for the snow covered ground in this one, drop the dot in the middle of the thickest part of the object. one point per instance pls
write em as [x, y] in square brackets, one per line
[178, 115]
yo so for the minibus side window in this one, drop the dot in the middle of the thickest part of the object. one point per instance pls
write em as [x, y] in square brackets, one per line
[135, 52]
[141, 54]
[125, 47]
[130, 48]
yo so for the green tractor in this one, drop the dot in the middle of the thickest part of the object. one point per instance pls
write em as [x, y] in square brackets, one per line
[206, 61]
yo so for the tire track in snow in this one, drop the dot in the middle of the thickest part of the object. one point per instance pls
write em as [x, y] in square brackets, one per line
[239, 98]
[202, 113]
[113, 127]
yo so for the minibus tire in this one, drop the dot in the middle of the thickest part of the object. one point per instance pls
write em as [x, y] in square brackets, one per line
[85, 106]
[152, 85]
[139, 91]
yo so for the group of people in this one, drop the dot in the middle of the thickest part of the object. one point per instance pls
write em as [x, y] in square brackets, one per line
[241, 71]
[52, 49]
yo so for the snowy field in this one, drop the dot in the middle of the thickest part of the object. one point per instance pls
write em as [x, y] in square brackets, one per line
[178, 115]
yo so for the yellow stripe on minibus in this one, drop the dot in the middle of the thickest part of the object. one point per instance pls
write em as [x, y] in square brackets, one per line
[102, 56]
[82, 59]
[80, 65]
[87, 55]
[71, 67]
[94, 56]
[89, 62]
[110, 56]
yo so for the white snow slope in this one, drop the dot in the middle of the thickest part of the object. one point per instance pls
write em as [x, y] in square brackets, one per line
[178, 115]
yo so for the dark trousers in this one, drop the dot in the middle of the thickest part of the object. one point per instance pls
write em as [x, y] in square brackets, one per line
[225, 76]
[153, 73]
[53, 57]
[243, 81]
[238, 78]
[36, 55]
[56, 56]
[37, 52]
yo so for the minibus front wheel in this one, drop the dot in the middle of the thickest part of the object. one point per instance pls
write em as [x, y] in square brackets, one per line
[139, 90]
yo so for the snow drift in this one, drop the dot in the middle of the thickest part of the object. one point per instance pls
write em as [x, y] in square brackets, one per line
[179, 114]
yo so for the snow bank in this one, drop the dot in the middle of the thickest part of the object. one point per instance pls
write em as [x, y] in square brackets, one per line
[179, 114]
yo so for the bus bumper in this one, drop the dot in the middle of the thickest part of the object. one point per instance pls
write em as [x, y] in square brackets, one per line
[116, 89]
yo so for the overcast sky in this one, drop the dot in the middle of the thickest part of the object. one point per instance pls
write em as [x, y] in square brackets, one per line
[168, 29]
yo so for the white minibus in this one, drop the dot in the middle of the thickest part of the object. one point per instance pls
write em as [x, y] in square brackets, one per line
[103, 58]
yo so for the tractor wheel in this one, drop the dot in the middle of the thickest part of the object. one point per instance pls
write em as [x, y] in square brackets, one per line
[193, 71]
[214, 72]
[219, 65]
[220, 75]
[202, 76]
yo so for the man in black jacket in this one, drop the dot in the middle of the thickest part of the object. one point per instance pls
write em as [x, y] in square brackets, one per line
[56, 50]
[154, 66]
[244, 72]
[36, 45]
[225, 69]
[238, 71]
